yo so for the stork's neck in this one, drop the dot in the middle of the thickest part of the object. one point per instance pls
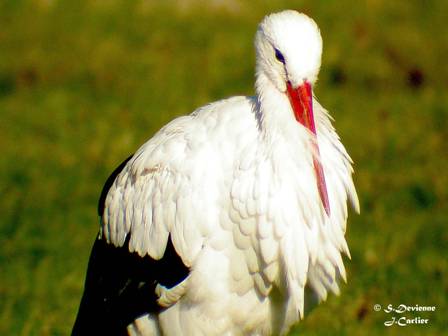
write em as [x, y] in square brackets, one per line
[275, 114]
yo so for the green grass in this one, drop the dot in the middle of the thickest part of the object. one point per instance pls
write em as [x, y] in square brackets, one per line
[83, 84]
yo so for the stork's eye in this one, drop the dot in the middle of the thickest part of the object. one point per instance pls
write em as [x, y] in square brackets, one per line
[279, 56]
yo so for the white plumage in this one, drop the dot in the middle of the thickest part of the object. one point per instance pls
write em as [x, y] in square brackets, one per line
[235, 187]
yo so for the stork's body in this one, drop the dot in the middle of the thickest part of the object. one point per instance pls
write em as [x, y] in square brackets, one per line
[249, 197]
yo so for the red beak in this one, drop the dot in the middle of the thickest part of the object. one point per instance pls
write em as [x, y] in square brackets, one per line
[301, 99]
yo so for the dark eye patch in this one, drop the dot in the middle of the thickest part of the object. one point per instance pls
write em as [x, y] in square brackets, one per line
[279, 56]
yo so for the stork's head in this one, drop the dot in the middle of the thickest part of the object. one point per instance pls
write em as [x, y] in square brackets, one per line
[289, 48]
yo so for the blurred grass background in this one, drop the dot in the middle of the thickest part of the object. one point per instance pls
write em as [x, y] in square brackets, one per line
[84, 83]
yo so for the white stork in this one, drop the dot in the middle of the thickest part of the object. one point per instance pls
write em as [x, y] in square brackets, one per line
[220, 222]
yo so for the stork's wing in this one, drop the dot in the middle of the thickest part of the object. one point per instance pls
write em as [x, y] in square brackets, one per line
[121, 286]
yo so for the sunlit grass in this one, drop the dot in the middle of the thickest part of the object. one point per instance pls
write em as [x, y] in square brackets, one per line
[83, 84]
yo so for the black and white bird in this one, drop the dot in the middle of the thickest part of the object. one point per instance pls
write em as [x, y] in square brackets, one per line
[231, 220]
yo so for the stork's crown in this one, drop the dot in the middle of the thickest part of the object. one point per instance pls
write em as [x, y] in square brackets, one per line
[289, 48]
